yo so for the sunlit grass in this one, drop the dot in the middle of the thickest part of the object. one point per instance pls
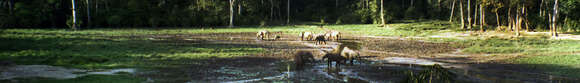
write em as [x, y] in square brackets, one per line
[527, 46]
[565, 65]
[556, 57]
[423, 28]
[89, 51]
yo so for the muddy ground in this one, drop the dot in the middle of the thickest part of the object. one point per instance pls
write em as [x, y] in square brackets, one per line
[275, 65]
[384, 59]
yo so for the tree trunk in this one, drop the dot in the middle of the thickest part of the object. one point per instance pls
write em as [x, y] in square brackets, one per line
[526, 20]
[462, 14]
[271, 10]
[497, 19]
[382, 15]
[510, 19]
[288, 13]
[11, 7]
[555, 19]
[335, 3]
[88, 13]
[517, 24]
[412, 1]
[540, 8]
[74, 26]
[452, 11]
[232, 13]
[362, 4]
[469, 14]
[481, 17]
[566, 23]
[475, 13]
[550, 25]
[240, 8]
[97, 7]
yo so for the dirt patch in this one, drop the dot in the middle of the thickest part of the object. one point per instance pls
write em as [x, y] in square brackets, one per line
[405, 47]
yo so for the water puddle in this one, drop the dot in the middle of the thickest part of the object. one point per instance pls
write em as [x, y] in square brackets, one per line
[46, 71]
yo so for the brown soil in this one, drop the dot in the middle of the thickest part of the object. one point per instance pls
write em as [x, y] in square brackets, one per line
[277, 58]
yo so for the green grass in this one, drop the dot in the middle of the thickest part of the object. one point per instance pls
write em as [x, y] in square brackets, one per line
[114, 48]
[84, 79]
[527, 46]
[89, 51]
[522, 45]
[422, 28]
[565, 65]
[555, 57]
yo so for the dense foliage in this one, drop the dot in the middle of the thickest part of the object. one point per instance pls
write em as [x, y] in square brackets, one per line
[187, 13]
[195, 13]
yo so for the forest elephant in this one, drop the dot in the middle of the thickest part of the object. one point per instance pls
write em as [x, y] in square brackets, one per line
[350, 54]
[334, 57]
[320, 39]
[263, 33]
[306, 35]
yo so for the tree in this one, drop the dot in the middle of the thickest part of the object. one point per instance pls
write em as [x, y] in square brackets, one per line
[232, 13]
[497, 5]
[482, 15]
[554, 30]
[11, 7]
[74, 26]
[475, 13]
[288, 13]
[452, 11]
[468, 14]
[382, 15]
[519, 18]
[88, 13]
[461, 12]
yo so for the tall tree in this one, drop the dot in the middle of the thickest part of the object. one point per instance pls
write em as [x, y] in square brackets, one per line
[482, 17]
[461, 12]
[382, 14]
[74, 26]
[554, 20]
[452, 11]
[232, 13]
[240, 7]
[288, 13]
[468, 14]
[519, 18]
[497, 5]
[475, 13]
[11, 7]
[88, 13]
[541, 7]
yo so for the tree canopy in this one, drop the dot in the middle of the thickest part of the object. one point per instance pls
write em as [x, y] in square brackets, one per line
[196, 13]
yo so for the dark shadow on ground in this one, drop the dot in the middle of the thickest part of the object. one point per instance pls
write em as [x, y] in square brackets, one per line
[574, 33]
[506, 72]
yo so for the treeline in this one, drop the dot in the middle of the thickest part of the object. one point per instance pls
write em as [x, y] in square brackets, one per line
[195, 13]
[499, 14]
[517, 15]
